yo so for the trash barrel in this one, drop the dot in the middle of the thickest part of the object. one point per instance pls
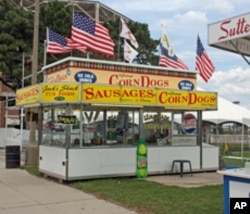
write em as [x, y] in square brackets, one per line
[12, 156]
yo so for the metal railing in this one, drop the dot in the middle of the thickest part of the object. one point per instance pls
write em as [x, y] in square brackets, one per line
[245, 139]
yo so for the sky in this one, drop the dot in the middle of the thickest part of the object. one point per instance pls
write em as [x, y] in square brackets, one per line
[183, 20]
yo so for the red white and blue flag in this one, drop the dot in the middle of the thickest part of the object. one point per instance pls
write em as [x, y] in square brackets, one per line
[204, 65]
[57, 44]
[91, 34]
[168, 58]
[171, 60]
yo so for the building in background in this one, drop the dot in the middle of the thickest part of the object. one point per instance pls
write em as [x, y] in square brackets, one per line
[9, 114]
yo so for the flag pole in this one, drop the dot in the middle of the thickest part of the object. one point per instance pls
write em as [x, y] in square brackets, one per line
[45, 53]
[119, 42]
[45, 56]
[45, 49]
[124, 50]
[242, 139]
[73, 10]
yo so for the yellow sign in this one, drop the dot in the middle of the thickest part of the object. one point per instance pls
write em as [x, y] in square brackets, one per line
[148, 96]
[100, 94]
[28, 95]
[202, 99]
[197, 99]
[172, 98]
[56, 92]
[116, 94]
[128, 79]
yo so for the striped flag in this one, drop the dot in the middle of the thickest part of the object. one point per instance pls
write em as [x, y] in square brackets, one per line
[57, 43]
[171, 60]
[168, 58]
[77, 46]
[91, 34]
[203, 63]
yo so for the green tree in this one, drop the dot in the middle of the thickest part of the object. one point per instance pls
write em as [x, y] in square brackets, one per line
[57, 16]
[16, 27]
[16, 36]
[147, 47]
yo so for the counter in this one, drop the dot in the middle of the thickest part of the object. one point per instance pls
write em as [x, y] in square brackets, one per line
[236, 185]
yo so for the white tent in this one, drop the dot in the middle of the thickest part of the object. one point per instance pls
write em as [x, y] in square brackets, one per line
[227, 111]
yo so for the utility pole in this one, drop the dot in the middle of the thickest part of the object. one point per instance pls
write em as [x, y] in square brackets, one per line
[32, 148]
[35, 43]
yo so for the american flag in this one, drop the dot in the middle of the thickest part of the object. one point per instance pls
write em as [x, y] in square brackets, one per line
[92, 34]
[57, 43]
[73, 45]
[203, 63]
[171, 60]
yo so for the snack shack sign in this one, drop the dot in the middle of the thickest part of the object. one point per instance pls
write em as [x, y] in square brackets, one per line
[231, 34]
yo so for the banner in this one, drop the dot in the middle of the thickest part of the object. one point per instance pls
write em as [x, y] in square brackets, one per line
[148, 96]
[114, 94]
[28, 95]
[124, 76]
[56, 92]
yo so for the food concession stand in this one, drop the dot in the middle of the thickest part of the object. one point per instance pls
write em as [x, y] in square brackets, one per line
[94, 112]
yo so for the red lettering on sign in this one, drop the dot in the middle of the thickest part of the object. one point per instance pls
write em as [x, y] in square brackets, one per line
[168, 98]
[142, 81]
[91, 93]
[29, 93]
[240, 28]
[196, 98]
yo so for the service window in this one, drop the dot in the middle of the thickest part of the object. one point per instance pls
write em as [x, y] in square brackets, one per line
[157, 128]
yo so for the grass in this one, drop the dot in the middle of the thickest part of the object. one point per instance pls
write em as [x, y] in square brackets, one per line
[235, 162]
[232, 146]
[147, 197]
[234, 149]
[237, 146]
[32, 170]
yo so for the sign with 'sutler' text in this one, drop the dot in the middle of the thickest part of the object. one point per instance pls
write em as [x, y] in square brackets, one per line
[231, 34]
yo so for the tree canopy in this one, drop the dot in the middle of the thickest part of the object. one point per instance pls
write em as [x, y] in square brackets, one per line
[16, 27]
